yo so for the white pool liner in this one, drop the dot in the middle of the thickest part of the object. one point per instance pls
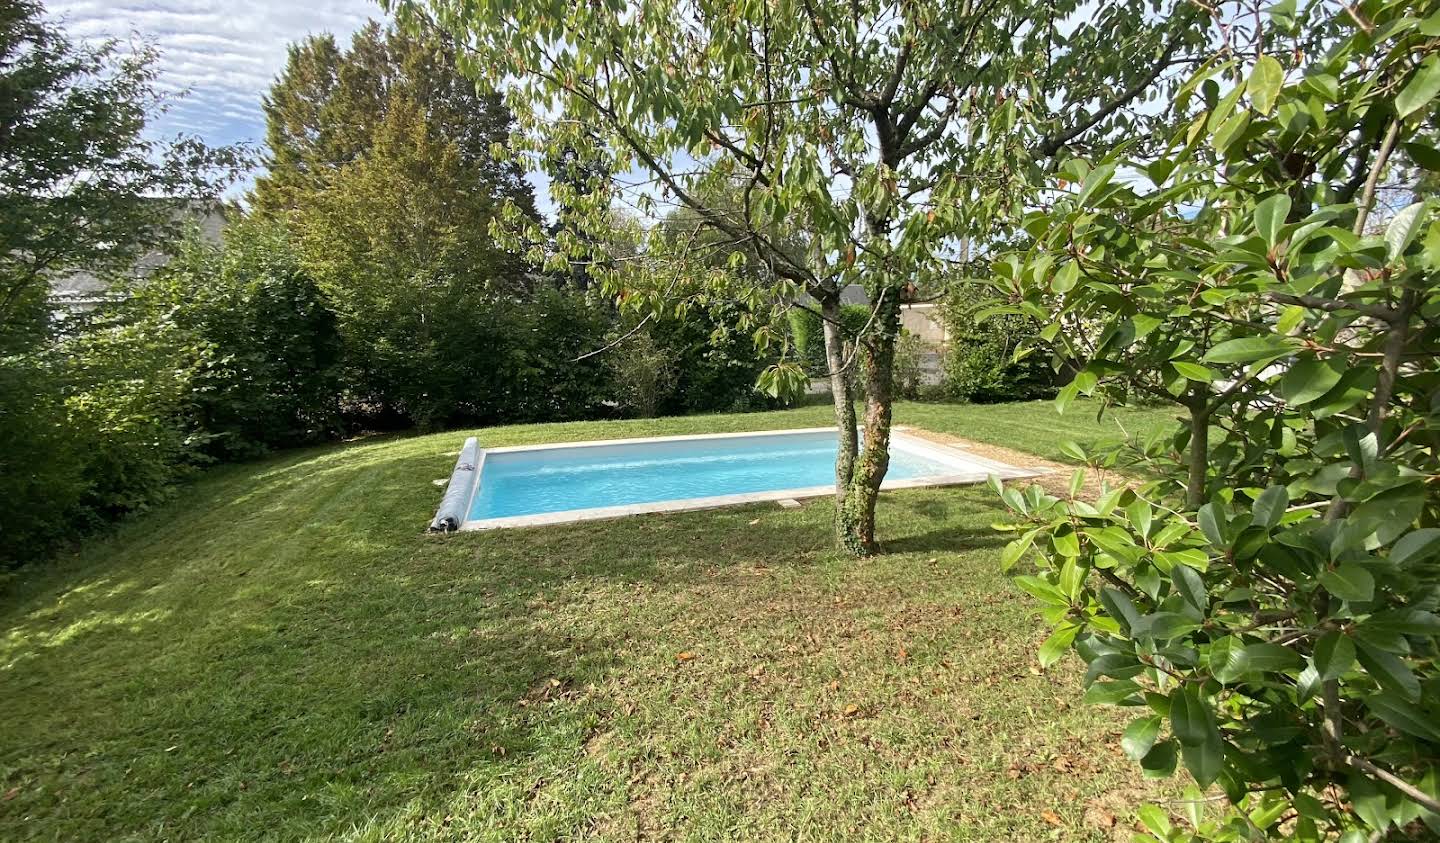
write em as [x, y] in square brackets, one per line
[960, 468]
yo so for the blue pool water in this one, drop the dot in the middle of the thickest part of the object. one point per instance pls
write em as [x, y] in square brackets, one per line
[560, 479]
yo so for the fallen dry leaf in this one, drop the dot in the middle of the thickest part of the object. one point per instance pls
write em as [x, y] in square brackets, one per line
[684, 656]
[851, 710]
[1100, 818]
[10, 794]
[1051, 817]
[756, 521]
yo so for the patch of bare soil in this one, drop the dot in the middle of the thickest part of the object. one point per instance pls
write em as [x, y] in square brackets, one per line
[1055, 480]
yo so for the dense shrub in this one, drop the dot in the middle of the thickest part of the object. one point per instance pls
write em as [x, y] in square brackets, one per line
[980, 364]
[128, 388]
[807, 332]
[273, 379]
[41, 476]
[643, 372]
[716, 364]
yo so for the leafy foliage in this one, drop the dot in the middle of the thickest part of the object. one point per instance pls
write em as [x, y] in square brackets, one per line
[273, 377]
[328, 110]
[79, 178]
[1268, 607]
[981, 362]
[883, 132]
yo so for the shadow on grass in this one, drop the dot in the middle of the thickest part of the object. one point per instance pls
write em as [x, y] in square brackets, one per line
[285, 649]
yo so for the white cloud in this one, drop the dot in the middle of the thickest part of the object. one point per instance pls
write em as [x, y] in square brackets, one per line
[224, 55]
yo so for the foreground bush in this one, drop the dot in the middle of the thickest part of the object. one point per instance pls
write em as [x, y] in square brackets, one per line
[1267, 609]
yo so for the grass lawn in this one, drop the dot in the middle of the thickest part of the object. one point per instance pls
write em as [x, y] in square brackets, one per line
[282, 653]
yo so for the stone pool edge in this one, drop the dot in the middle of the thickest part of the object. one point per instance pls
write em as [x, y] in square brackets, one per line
[944, 451]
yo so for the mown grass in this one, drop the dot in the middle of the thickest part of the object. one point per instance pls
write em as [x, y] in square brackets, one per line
[282, 653]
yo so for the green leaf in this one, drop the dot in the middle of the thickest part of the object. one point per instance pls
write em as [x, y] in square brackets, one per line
[1349, 582]
[1194, 725]
[1308, 379]
[1403, 622]
[1056, 645]
[1212, 524]
[1265, 657]
[1140, 516]
[1098, 178]
[1425, 155]
[1119, 607]
[1205, 761]
[1264, 84]
[1066, 541]
[1266, 349]
[1421, 88]
[1404, 716]
[1334, 655]
[1155, 820]
[1139, 737]
[1189, 585]
[1401, 231]
[1064, 279]
[1270, 217]
[1016, 549]
[1110, 693]
[1416, 546]
[1159, 762]
[1270, 506]
[1166, 626]
[1390, 671]
[1194, 371]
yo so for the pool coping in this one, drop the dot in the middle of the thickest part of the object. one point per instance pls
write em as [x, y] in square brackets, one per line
[942, 452]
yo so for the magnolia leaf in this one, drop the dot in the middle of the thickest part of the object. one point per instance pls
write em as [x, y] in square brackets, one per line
[1416, 546]
[1261, 349]
[1264, 84]
[1424, 154]
[1404, 716]
[1390, 671]
[1063, 281]
[1194, 371]
[1334, 654]
[1349, 581]
[1401, 231]
[1308, 379]
[1270, 217]
[1270, 505]
[1140, 735]
[1421, 88]
[1056, 645]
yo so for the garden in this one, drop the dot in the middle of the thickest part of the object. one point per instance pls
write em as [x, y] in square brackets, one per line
[1179, 260]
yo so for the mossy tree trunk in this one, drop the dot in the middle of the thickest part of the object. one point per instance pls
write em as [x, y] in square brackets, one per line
[877, 348]
[847, 439]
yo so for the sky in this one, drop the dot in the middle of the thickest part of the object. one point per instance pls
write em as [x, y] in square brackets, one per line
[221, 56]
[224, 54]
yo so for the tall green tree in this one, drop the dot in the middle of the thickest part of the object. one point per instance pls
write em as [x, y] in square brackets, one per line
[1266, 608]
[326, 110]
[82, 187]
[885, 130]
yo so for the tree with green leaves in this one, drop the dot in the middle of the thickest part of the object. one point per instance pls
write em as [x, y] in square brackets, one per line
[1267, 607]
[81, 185]
[883, 130]
[328, 107]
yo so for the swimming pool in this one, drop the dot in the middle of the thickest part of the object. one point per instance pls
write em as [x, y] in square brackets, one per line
[550, 484]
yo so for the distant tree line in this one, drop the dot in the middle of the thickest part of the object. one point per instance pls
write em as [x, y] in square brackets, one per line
[359, 289]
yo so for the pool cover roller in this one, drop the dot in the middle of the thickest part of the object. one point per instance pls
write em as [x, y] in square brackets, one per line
[457, 492]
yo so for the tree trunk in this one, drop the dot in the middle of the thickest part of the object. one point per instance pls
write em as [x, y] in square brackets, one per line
[1199, 454]
[857, 515]
[845, 435]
